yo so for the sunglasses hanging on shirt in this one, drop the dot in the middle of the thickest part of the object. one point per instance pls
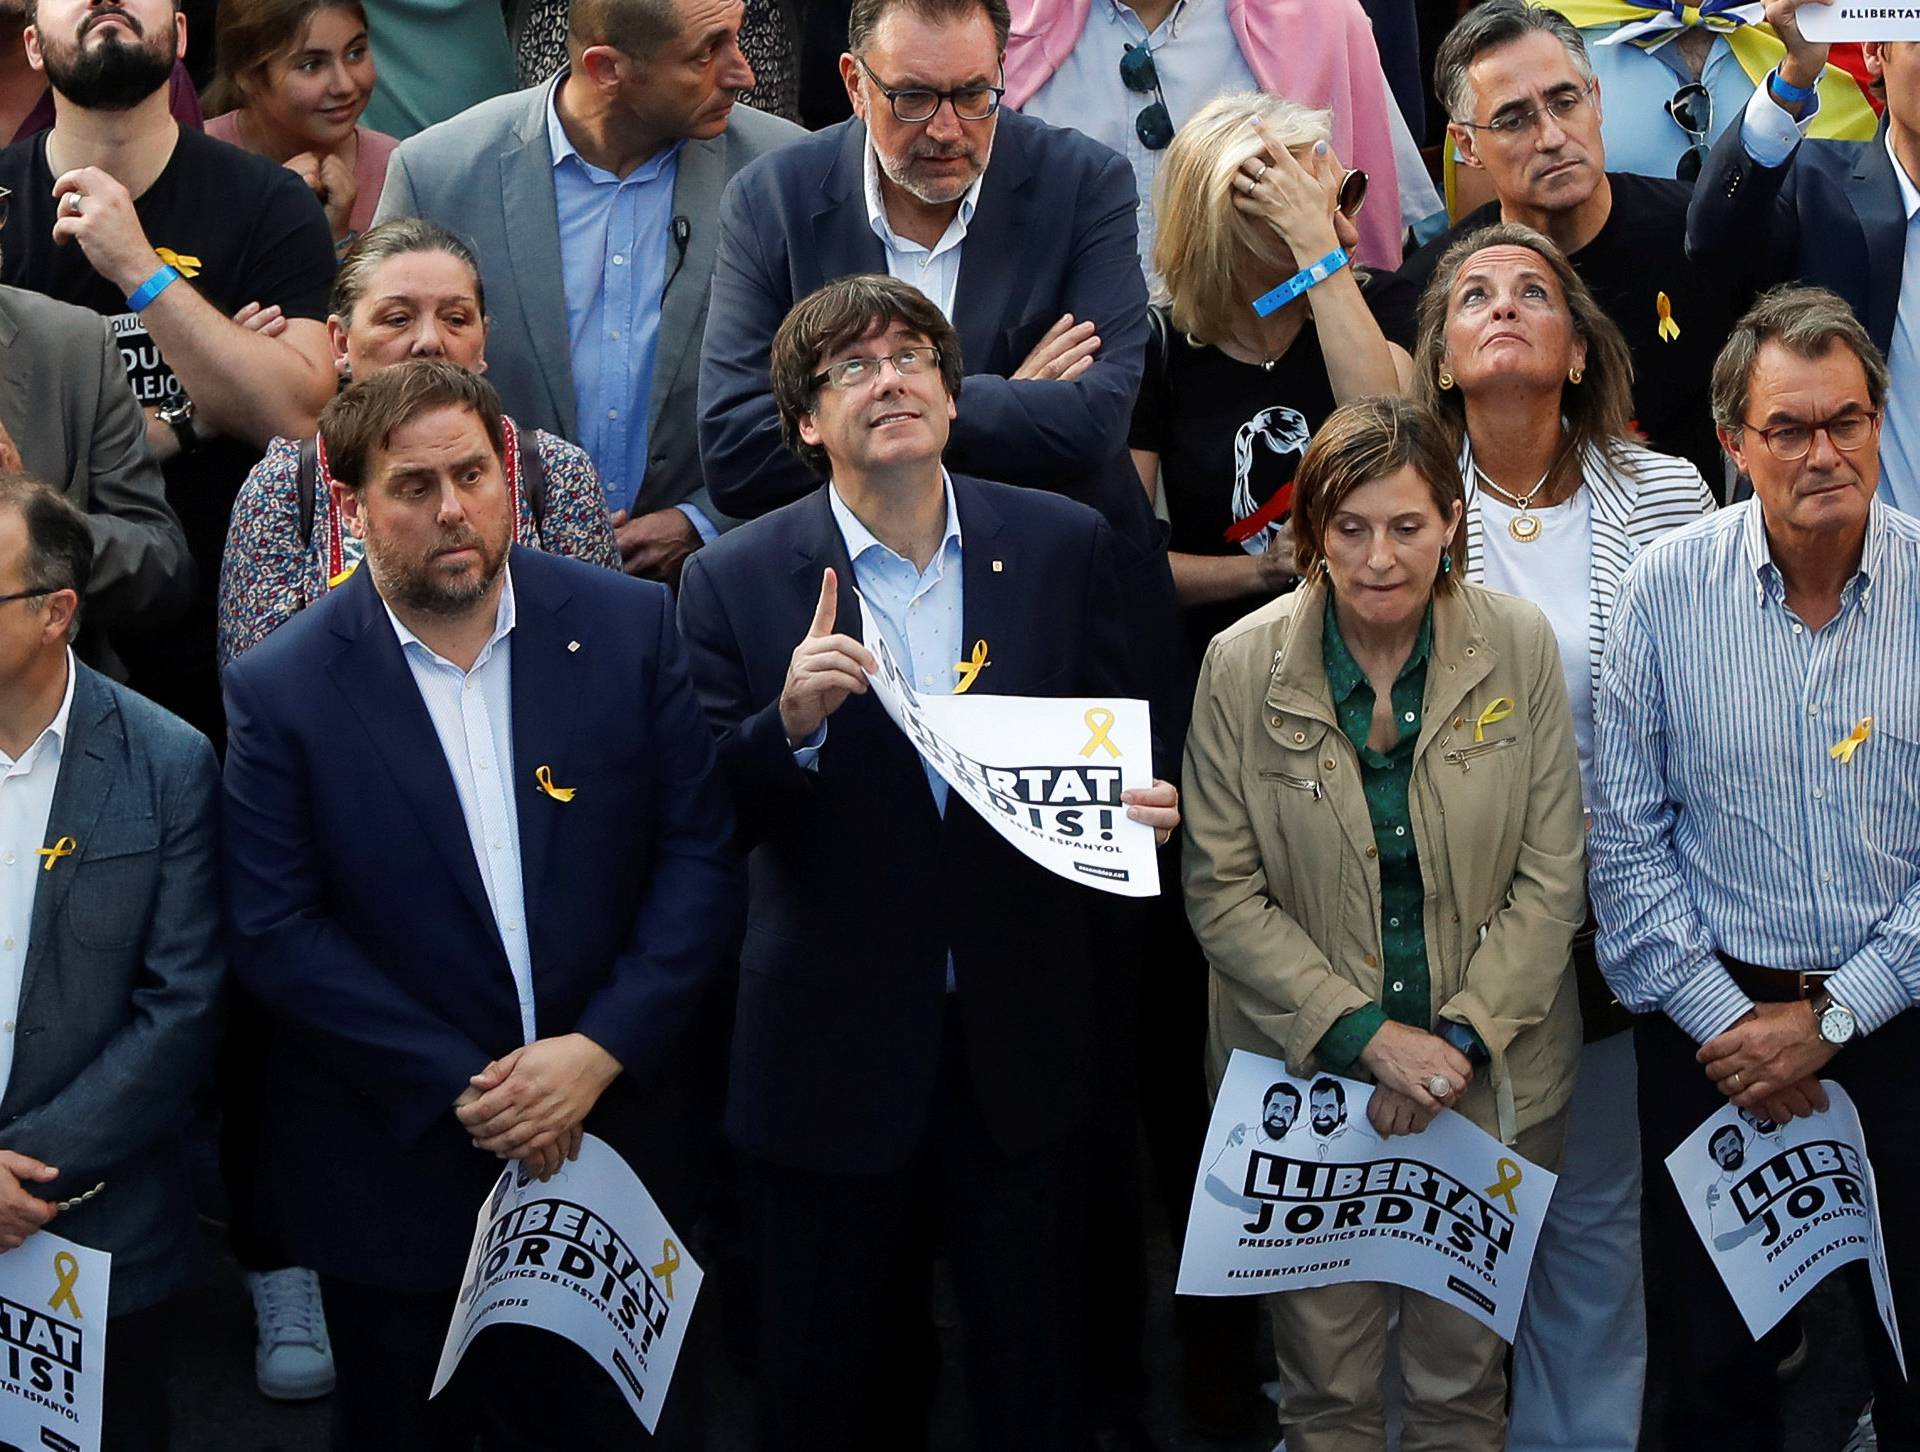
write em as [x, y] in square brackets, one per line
[1692, 110]
[1154, 126]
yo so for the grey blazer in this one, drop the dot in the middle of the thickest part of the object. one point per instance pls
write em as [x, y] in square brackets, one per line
[493, 162]
[119, 995]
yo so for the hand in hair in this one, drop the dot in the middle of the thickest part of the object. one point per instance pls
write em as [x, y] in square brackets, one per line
[1296, 200]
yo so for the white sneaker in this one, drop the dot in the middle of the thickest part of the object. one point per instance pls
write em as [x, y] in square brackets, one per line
[292, 1360]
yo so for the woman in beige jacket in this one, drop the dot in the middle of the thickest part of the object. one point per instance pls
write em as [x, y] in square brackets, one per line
[1384, 866]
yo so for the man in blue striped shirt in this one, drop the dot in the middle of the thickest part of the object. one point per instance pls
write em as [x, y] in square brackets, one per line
[1756, 842]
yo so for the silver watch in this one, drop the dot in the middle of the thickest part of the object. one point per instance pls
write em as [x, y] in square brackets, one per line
[1832, 1018]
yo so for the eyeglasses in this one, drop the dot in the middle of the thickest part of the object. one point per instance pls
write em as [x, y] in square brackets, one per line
[30, 594]
[1692, 110]
[1511, 125]
[1846, 432]
[915, 104]
[1154, 126]
[852, 372]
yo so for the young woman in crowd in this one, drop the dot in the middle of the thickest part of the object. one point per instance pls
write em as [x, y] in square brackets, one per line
[1531, 382]
[294, 77]
[1388, 702]
[406, 289]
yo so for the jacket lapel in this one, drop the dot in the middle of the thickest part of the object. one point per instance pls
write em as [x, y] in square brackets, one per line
[987, 610]
[548, 671]
[843, 239]
[530, 221]
[1877, 203]
[698, 180]
[94, 744]
[1002, 228]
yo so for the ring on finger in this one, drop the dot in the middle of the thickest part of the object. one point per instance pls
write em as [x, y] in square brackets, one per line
[1439, 1086]
[1260, 173]
[1736, 1081]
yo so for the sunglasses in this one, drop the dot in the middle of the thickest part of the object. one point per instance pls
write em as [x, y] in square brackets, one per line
[1154, 126]
[1692, 110]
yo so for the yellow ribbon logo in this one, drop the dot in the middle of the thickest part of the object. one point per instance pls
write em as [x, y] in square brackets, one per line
[1504, 1187]
[669, 1263]
[1497, 710]
[1669, 329]
[1842, 751]
[1100, 721]
[65, 847]
[544, 776]
[970, 669]
[184, 265]
[68, 1269]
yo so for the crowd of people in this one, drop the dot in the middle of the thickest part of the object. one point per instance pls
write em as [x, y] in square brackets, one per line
[436, 725]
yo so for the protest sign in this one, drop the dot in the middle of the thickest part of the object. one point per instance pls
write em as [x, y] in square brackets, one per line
[1859, 20]
[1296, 1189]
[53, 1344]
[1780, 1207]
[586, 1255]
[1046, 772]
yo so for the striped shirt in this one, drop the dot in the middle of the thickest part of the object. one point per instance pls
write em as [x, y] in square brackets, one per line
[1724, 822]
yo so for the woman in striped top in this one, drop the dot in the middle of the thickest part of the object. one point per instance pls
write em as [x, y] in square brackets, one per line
[1534, 381]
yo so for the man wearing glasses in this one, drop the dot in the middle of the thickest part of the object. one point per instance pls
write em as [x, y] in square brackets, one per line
[1756, 840]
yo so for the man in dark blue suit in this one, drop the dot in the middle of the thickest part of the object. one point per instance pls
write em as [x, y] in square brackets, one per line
[917, 1055]
[479, 876]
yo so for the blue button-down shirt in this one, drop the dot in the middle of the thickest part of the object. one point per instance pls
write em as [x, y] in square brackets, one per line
[615, 239]
[1723, 820]
[1636, 84]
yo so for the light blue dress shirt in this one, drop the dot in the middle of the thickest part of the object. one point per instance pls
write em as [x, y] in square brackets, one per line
[1723, 820]
[1196, 56]
[472, 714]
[934, 270]
[1635, 86]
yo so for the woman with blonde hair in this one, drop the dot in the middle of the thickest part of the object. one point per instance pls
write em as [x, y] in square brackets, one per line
[1250, 206]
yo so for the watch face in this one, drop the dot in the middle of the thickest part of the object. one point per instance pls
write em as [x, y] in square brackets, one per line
[1836, 1024]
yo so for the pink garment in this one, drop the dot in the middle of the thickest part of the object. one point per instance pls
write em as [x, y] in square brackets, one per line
[1316, 52]
[369, 169]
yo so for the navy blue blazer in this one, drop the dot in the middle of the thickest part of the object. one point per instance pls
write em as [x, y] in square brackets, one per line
[360, 922]
[1830, 215]
[859, 887]
[119, 994]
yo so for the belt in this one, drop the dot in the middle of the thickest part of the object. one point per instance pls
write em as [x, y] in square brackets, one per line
[1775, 985]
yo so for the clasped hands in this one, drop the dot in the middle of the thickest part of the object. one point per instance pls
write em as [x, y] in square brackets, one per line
[530, 1105]
[1770, 1061]
[1403, 1061]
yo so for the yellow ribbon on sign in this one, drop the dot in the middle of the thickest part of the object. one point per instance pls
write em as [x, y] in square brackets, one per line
[1669, 329]
[970, 669]
[1100, 721]
[669, 1263]
[1508, 1182]
[180, 262]
[65, 847]
[1842, 751]
[1497, 710]
[68, 1269]
[544, 776]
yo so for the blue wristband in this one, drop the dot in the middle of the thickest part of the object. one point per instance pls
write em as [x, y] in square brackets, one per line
[165, 278]
[1305, 278]
[1792, 95]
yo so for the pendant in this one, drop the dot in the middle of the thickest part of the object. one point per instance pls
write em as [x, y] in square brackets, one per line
[1524, 528]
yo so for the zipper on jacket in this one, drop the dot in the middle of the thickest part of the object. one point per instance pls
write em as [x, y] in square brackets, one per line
[1298, 783]
[1463, 756]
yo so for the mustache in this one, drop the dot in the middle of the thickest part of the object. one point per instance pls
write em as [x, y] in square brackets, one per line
[111, 12]
[459, 539]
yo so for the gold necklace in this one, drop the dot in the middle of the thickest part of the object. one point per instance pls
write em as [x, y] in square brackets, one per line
[1524, 526]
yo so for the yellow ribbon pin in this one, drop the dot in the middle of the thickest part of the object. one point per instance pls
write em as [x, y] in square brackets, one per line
[1100, 721]
[970, 669]
[68, 1269]
[1508, 1182]
[180, 262]
[1497, 710]
[669, 1263]
[544, 776]
[334, 582]
[1842, 751]
[1669, 329]
[65, 847]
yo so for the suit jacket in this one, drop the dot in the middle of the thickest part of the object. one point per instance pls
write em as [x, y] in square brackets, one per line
[487, 175]
[859, 887]
[360, 922]
[119, 995]
[1842, 196]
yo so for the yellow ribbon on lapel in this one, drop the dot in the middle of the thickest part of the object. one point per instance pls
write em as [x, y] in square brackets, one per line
[1497, 710]
[544, 776]
[334, 582]
[1842, 751]
[1669, 329]
[65, 847]
[970, 669]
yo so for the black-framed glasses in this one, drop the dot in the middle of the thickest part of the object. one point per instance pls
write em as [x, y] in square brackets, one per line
[914, 104]
[1511, 125]
[1692, 110]
[30, 594]
[852, 372]
[1847, 432]
[1154, 126]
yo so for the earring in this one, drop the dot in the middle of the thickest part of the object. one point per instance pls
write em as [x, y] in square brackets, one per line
[1574, 375]
[1445, 380]
[1446, 563]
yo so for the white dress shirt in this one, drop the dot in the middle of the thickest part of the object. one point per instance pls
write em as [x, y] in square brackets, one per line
[26, 798]
[936, 270]
[472, 713]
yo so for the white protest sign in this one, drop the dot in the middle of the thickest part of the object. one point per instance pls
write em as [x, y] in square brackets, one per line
[1780, 1207]
[1046, 772]
[1859, 20]
[53, 1344]
[1296, 1189]
[586, 1255]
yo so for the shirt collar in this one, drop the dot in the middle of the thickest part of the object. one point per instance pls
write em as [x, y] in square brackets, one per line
[877, 207]
[860, 539]
[503, 618]
[1344, 675]
[1767, 577]
[1122, 11]
[55, 734]
[1909, 194]
[560, 146]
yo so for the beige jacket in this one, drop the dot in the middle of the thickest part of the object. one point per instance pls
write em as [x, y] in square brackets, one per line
[1282, 876]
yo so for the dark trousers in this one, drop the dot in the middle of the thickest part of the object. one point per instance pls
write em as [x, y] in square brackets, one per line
[845, 1264]
[1723, 1389]
[135, 1416]
[238, 1073]
[518, 1389]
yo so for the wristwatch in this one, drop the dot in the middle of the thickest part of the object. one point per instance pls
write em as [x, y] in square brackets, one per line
[179, 418]
[1832, 1018]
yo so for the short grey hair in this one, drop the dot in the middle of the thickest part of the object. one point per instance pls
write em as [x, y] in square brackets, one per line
[1488, 27]
[1807, 322]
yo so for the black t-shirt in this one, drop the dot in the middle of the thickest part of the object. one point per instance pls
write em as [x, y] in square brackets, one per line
[1638, 254]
